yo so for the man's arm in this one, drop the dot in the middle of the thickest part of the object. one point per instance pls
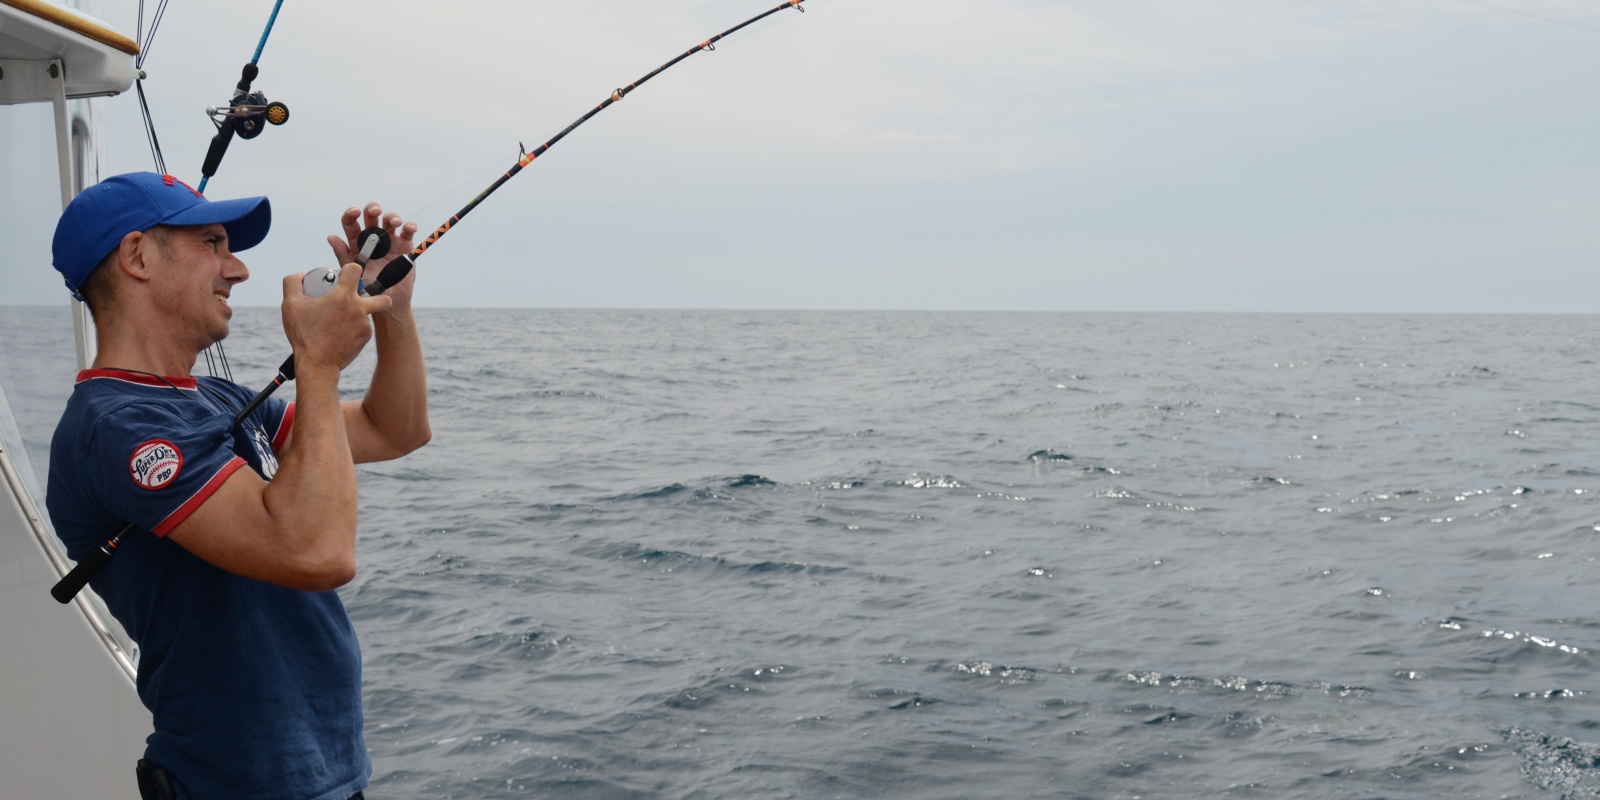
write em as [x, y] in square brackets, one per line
[391, 420]
[299, 530]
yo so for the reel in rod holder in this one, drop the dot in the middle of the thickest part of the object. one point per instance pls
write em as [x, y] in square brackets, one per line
[246, 115]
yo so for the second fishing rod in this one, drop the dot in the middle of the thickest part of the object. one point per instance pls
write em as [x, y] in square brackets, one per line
[397, 269]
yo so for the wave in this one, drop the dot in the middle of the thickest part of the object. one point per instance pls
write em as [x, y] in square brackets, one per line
[1557, 763]
[677, 560]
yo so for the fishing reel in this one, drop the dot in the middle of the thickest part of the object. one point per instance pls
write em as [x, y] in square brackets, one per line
[249, 112]
[374, 243]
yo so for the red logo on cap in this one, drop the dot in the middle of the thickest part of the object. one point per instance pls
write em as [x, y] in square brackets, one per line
[169, 180]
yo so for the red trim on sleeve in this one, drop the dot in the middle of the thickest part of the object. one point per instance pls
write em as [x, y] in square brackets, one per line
[198, 498]
[281, 438]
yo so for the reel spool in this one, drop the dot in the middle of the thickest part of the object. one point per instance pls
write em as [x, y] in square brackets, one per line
[251, 113]
[374, 243]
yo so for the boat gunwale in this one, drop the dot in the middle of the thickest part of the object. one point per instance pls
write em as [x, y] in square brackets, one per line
[76, 22]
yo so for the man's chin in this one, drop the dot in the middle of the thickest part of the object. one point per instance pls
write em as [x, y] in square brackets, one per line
[218, 333]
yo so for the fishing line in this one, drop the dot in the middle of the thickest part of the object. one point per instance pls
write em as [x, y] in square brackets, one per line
[618, 94]
[297, 13]
[732, 34]
[488, 167]
[272, 20]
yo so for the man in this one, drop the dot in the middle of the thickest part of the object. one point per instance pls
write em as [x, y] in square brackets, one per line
[248, 662]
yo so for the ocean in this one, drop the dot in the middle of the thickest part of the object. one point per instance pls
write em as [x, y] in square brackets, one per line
[715, 554]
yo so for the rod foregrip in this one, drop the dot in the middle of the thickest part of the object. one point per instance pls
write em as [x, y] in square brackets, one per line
[247, 75]
[219, 142]
[69, 586]
[393, 272]
[285, 374]
[218, 149]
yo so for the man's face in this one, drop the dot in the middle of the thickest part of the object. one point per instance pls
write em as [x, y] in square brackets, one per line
[194, 277]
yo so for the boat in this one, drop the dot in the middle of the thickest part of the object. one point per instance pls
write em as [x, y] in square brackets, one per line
[73, 723]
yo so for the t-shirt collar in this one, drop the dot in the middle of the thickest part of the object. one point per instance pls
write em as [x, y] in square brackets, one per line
[141, 378]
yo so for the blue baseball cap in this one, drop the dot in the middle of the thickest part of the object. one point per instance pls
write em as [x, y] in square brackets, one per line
[96, 220]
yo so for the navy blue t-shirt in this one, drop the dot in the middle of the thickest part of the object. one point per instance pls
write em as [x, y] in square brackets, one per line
[255, 689]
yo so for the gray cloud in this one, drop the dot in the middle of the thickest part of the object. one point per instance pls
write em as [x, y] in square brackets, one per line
[1210, 155]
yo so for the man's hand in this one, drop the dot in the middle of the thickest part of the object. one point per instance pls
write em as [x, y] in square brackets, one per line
[331, 330]
[401, 241]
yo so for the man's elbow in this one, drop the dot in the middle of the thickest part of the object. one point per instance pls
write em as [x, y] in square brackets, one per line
[409, 442]
[420, 438]
[323, 573]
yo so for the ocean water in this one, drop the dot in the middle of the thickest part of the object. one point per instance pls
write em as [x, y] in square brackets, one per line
[686, 554]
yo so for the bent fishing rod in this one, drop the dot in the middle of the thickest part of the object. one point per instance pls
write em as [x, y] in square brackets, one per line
[374, 243]
[401, 266]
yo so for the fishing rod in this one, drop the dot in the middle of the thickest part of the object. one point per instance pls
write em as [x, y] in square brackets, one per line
[374, 243]
[402, 265]
[245, 111]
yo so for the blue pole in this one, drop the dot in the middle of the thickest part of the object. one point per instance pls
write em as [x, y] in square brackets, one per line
[268, 32]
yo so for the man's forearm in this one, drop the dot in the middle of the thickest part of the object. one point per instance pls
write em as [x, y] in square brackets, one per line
[397, 399]
[313, 496]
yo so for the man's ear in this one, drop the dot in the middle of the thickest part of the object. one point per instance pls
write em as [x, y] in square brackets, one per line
[131, 253]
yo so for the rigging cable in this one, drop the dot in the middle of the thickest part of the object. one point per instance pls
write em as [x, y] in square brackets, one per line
[216, 357]
[138, 66]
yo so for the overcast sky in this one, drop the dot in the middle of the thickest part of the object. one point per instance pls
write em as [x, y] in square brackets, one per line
[1209, 155]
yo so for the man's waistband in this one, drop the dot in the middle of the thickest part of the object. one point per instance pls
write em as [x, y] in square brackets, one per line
[156, 783]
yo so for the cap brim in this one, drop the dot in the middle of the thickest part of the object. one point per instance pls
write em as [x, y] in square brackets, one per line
[246, 219]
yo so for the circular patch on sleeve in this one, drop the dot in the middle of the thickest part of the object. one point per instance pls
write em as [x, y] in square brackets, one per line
[155, 464]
